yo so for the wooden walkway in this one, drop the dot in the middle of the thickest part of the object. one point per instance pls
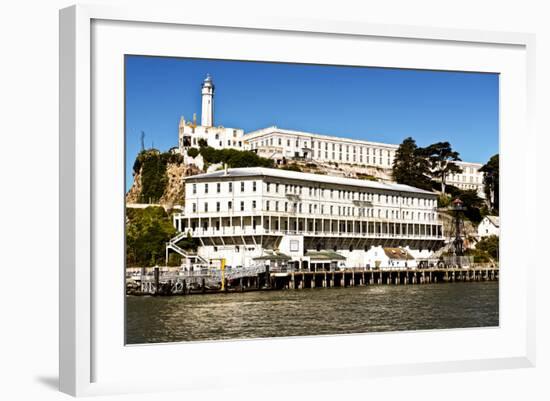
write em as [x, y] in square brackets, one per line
[258, 279]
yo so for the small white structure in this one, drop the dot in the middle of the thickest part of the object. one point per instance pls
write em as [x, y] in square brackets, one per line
[388, 258]
[490, 225]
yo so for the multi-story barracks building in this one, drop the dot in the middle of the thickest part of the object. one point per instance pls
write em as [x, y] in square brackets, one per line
[282, 144]
[251, 216]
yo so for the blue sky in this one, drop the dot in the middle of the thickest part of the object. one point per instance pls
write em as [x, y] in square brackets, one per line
[376, 104]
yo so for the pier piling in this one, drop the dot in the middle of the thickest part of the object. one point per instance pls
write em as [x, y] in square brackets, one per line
[163, 283]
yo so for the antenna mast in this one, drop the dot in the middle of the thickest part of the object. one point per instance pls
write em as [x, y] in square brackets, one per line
[142, 141]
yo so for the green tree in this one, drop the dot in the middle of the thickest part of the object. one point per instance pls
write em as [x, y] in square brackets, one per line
[234, 158]
[443, 201]
[490, 245]
[491, 182]
[473, 204]
[153, 177]
[147, 231]
[192, 152]
[441, 158]
[410, 167]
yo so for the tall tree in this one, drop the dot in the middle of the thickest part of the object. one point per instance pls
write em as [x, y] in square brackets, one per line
[441, 158]
[472, 203]
[410, 167]
[491, 182]
[147, 231]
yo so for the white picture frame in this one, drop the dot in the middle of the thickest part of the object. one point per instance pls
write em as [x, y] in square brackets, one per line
[91, 353]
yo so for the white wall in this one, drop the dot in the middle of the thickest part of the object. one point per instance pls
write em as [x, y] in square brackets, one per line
[28, 100]
[486, 228]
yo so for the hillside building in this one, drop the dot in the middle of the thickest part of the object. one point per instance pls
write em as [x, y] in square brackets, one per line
[282, 144]
[259, 215]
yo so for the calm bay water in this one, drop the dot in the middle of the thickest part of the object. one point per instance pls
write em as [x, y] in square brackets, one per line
[311, 312]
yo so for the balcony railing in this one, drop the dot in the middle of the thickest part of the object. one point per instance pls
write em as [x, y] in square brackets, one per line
[232, 231]
[295, 214]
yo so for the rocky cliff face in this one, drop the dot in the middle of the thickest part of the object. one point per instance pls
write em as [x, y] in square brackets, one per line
[132, 196]
[174, 188]
[346, 170]
[469, 233]
[174, 191]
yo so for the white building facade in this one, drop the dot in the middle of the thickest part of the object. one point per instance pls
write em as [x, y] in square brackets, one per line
[469, 178]
[244, 214]
[490, 225]
[282, 144]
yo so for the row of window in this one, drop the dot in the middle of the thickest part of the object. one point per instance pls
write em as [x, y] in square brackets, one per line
[320, 145]
[195, 142]
[469, 170]
[463, 178]
[353, 159]
[467, 186]
[344, 227]
[315, 192]
[229, 187]
[314, 209]
[206, 129]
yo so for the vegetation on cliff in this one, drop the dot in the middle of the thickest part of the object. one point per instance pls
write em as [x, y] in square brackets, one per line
[232, 157]
[489, 245]
[292, 167]
[475, 207]
[151, 165]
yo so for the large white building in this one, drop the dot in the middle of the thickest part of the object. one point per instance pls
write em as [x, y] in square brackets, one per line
[285, 145]
[253, 215]
[282, 144]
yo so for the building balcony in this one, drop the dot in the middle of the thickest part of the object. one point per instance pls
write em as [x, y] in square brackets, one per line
[250, 231]
[315, 215]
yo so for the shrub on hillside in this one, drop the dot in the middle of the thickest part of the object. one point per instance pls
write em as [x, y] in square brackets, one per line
[234, 158]
[490, 245]
[292, 167]
[193, 152]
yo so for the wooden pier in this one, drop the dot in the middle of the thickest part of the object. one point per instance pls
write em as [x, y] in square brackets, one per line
[364, 277]
[256, 280]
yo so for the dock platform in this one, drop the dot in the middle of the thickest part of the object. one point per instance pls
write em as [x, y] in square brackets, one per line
[258, 279]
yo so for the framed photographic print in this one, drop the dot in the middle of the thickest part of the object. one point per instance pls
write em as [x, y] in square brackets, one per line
[239, 192]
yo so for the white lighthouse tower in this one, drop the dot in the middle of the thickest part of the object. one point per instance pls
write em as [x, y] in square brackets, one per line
[207, 115]
[192, 135]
